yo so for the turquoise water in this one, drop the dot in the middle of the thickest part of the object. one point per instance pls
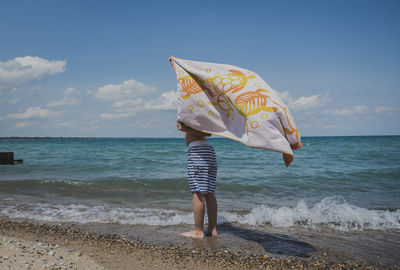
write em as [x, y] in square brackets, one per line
[346, 183]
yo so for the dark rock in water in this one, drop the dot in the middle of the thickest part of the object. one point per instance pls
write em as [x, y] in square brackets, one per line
[7, 158]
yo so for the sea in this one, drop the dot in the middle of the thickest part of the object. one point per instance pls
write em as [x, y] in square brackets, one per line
[342, 184]
[347, 183]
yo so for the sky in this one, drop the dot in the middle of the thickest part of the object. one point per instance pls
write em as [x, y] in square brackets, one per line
[101, 69]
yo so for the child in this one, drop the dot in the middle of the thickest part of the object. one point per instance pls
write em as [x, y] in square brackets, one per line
[202, 170]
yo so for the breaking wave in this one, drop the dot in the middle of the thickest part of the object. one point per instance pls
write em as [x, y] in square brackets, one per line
[333, 212]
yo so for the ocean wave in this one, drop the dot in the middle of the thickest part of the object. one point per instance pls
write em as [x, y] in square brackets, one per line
[111, 185]
[106, 185]
[334, 212]
[99, 214]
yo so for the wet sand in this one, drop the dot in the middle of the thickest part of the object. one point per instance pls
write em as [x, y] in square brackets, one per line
[37, 245]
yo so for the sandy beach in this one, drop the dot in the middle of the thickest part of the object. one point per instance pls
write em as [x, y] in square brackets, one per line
[28, 245]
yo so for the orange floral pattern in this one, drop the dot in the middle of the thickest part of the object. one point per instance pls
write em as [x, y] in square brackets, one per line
[250, 103]
[233, 82]
[189, 86]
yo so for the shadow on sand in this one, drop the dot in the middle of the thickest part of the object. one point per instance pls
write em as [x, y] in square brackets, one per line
[271, 242]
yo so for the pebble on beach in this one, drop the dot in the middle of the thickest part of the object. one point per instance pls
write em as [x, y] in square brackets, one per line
[24, 254]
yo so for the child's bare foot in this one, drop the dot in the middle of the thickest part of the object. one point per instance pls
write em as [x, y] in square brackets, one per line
[194, 234]
[213, 233]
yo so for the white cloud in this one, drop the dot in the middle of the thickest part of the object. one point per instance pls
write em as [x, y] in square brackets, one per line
[116, 115]
[355, 110]
[359, 110]
[128, 89]
[124, 109]
[128, 104]
[129, 107]
[14, 101]
[167, 101]
[68, 124]
[69, 91]
[302, 103]
[128, 98]
[22, 124]
[66, 100]
[335, 126]
[385, 109]
[21, 70]
[150, 123]
[32, 112]
[63, 102]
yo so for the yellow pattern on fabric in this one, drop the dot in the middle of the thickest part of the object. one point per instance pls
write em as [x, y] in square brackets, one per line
[254, 124]
[189, 86]
[225, 104]
[200, 103]
[292, 129]
[250, 103]
[234, 82]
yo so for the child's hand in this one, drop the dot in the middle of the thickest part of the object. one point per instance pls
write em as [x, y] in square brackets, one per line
[180, 126]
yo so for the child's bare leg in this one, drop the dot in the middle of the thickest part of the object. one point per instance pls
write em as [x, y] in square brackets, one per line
[211, 202]
[198, 209]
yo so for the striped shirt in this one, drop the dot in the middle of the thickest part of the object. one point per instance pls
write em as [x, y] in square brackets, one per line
[202, 167]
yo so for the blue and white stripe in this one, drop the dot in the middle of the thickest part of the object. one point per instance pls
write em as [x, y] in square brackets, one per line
[202, 168]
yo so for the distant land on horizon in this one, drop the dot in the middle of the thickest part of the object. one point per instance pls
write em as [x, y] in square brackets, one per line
[215, 137]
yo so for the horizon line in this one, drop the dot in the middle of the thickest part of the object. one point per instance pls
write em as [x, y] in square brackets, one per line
[120, 137]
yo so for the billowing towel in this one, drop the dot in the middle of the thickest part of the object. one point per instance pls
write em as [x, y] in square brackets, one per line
[234, 103]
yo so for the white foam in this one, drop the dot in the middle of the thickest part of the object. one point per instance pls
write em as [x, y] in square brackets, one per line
[66, 182]
[334, 212]
[100, 214]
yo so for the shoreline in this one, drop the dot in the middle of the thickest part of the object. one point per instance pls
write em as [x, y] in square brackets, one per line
[113, 251]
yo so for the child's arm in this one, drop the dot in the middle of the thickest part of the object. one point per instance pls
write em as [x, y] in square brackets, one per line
[182, 127]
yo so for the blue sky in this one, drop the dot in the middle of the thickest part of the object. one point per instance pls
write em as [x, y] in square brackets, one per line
[100, 68]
